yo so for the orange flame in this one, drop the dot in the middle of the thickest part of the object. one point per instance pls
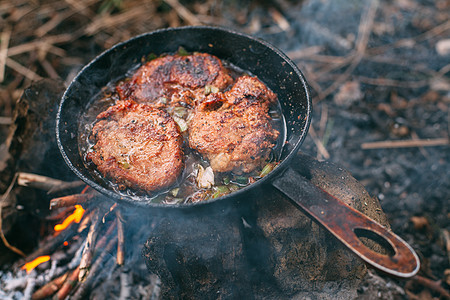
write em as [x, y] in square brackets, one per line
[74, 217]
[33, 264]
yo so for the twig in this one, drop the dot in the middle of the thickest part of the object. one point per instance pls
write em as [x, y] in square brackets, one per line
[392, 82]
[324, 31]
[444, 70]
[422, 150]
[111, 209]
[53, 22]
[108, 21]
[22, 70]
[323, 120]
[82, 7]
[339, 61]
[183, 12]
[86, 257]
[47, 66]
[4, 38]
[311, 79]
[406, 143]
[46, 183]
[304, 52]
[102, 242]
[85, 221]
[279, 19]
[34, 45]
[120, 239]
[2, 235]
[332, 63]
[58, 18]
[320, 146]
[446, 237]
[60, 215]
[421, 37]
[71, 200]
[432, 285]
[5, 121]
[364, 30]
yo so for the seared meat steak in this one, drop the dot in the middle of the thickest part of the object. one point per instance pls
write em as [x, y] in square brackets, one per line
[220, 114]
[233, 129]
[250, 90]
[175, 79]
[137, 146]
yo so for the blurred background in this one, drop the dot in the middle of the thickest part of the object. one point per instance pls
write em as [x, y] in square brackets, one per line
[378, 71]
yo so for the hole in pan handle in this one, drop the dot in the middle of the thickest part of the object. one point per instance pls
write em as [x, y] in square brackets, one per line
[342, 221]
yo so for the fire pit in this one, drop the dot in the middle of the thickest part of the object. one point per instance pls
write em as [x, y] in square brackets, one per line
[240, 249]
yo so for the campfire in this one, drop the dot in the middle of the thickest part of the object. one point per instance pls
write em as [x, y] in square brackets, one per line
[86, 244]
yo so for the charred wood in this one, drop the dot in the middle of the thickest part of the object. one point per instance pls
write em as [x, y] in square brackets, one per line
[50, 288]
[120, 239]
[68, 285]
[86, 257]
[52, 244]
[48, 184]
[84, 286]
[71, 200]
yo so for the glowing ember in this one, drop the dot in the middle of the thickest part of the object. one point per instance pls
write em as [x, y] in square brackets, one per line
[74, 217]
[33, 264]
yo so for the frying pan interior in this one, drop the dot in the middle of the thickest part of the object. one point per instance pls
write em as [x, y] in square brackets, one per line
[248, 53]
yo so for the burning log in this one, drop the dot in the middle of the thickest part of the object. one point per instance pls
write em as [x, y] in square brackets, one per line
[120, 239]
[50, 288]
[76, 217]
[86, 257]
[86, 284]
[68, 285]
[85, 221]
[48, 184]
[34, 263]
[71, 200]
[52, 244]
[60, 214]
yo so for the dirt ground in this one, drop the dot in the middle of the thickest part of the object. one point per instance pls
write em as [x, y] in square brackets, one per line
[378, 71]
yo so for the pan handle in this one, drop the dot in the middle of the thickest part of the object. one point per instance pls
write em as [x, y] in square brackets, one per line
[342, 221]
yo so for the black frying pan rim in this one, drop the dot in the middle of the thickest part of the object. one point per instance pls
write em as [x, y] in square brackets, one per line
[265, 180]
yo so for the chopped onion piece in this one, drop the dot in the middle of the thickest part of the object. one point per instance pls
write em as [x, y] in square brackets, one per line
[211, 89]
[174, 192]
[180, 112]
[205, 177]
[181, 123]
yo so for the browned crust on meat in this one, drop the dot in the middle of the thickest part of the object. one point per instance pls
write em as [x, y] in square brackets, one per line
[182, 76]
[137, 146]
[233, 130]
[250, 89]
